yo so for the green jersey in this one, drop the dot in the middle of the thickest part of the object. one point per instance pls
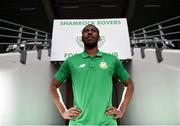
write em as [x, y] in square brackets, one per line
[92, 85]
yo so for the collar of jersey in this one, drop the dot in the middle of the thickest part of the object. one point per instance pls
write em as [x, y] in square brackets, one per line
[85, 55]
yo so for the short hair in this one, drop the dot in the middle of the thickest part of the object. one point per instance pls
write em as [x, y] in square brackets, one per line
[90, 25]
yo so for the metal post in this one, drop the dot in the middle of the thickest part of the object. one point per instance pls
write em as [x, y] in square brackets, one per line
[159, 50]
[145, 41]
[133, 44]
[161, 34]
[134, 37]
[46, 38]
[19, 39]
[23, 52]
[35, 40]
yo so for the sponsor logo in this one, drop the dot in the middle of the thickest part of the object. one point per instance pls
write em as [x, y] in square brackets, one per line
[82, 65]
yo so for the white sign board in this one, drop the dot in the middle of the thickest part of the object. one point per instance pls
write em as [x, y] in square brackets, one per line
[66, 39]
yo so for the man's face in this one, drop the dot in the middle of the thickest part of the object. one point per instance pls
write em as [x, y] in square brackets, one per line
[90, 36]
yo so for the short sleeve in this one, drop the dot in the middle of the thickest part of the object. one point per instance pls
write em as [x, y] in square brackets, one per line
[63, 72]
[120, 72]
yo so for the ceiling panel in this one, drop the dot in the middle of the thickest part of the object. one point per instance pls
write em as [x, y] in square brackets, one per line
[139, 12]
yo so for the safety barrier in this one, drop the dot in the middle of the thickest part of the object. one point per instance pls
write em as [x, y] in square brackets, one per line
[19, 38]
[162, 35]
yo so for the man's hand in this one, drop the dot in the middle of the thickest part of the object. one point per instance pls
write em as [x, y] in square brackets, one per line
[114, 111]
[71, 112]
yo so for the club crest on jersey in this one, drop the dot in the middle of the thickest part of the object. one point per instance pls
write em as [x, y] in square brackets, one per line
[103, 65]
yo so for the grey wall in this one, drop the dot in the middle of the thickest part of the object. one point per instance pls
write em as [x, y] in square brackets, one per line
[24, 90]
[157, 89]
[25, 98]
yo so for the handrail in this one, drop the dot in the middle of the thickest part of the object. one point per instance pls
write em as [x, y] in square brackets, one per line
[22, 36]
[20, 33]
[160, 31]
[9, 29]
[165, 32]
[159, 23]
[15, 24]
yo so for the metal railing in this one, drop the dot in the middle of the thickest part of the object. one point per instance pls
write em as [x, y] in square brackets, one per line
[162, 35]
[19, 38]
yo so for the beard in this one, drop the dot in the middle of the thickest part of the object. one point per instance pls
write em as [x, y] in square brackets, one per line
[90, 44]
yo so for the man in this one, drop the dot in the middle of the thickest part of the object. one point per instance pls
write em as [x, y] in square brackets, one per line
[91, 72]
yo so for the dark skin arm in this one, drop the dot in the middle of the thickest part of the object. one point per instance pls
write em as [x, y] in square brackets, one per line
[128, 93]
[56, 96]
